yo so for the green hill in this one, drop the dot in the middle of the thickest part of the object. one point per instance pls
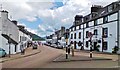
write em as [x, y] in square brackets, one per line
[37, 38]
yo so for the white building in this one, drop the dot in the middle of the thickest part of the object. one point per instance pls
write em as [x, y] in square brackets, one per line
[24, 37]
[8, 31]
[102, 23]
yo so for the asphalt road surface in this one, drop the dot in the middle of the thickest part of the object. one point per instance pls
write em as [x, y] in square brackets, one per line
[48, 54]
[35, 61]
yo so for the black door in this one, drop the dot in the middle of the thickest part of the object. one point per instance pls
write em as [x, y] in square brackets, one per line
[74, 44]
[95, 46]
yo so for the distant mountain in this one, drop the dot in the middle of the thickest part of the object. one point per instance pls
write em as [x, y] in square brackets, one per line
[37, 38]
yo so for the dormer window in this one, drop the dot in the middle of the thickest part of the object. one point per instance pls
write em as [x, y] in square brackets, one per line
[110, 8]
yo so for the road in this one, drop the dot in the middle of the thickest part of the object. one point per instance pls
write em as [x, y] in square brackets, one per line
[44, 60]
[35, 61]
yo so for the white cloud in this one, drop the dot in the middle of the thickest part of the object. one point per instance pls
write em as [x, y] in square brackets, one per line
[31, 19]
[32, 30]
[51, 19]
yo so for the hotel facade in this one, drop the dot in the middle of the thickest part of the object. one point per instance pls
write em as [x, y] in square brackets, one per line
[99, 29]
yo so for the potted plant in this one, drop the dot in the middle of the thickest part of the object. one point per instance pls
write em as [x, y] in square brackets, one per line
[115, 49]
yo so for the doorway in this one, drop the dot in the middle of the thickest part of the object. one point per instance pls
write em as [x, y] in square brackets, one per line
[75, 45]
[95, 46]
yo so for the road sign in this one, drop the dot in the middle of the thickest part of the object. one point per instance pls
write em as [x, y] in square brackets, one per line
[90, 34]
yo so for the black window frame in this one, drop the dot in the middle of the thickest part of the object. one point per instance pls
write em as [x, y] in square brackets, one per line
[87, 34]
[104, 32]
[74, 35]
[87, 24]
[79, 35]
[71, 36]
[87, 44]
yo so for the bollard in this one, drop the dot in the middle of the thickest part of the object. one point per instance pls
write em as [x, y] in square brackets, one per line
[66, 56]
[90, 54]
[66, 53]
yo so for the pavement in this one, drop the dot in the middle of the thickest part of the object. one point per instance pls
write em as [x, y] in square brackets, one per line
[28, 52]
[83, 55]
[62, 58]
[96, 54]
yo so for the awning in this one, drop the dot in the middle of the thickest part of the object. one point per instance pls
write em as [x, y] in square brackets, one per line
[9, 39]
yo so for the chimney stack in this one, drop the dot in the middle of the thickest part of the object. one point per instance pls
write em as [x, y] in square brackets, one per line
[15, 22]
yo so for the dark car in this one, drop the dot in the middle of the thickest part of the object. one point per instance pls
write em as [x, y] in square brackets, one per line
[59, 46]
[35, 46]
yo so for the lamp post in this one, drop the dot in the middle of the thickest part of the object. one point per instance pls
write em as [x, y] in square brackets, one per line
[9, 42]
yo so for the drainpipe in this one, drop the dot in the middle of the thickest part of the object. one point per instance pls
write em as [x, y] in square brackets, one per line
[118, 38]
[118, 33]
[83, 35]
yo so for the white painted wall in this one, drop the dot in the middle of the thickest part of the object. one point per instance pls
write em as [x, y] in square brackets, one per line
[112, 33]
[7, 27]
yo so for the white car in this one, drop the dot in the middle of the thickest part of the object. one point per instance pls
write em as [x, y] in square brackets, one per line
[59, 46]
[54, 45]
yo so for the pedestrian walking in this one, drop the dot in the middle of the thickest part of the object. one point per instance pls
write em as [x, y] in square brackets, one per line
[22, 48]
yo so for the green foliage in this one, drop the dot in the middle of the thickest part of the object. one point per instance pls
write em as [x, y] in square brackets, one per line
[37, 38]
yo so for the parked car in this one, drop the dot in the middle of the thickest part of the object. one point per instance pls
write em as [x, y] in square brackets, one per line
[2, 53]
[59, 46]
[54, 45]
[35, 45]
